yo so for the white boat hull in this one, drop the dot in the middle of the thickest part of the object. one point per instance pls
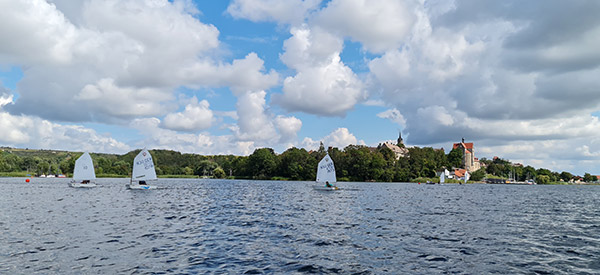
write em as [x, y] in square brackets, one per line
[325, 188]
[82, 185]
[140, 187]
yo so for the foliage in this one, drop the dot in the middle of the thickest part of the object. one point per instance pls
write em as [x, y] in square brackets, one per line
[587, 177]
[455, 158]
[297, 164]
[566, 176]
[543, 179]
[478, 175]
[218, 173]
[262, 164]
[353, 163]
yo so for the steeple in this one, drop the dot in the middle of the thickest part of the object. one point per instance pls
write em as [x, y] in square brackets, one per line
[400, 141]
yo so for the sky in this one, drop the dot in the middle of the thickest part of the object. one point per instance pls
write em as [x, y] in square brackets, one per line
[519, 79]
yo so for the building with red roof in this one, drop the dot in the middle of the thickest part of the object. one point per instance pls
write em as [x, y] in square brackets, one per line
[470, 162]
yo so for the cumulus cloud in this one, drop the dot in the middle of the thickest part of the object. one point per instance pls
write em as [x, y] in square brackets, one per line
[253, 122]
[44, 34]
[5, 97]
[107, 98]
[33, 132]
[112, 53]
[285, 12]
[323, 85]
[339, 138]
[517, 78]
[196, 116]
[377, 25]
[451, 72]
[287, 127]
[393, 115]
[203, 143]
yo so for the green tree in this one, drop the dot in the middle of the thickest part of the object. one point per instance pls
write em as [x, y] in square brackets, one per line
[587, 177]
[240, 167]
[297, 164]
[377, 167]
[205, 168]
[424, 162]
[455, 158]
[29, 164]
[120, 168]
[542, 179]
[218, 173]
[68, 165]
[529, 172]
[104, 165]
[478, 175]
[262, 164]
[43, 167]
[356, 163]
[566, 176]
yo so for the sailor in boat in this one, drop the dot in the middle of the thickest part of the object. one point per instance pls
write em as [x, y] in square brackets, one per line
[327, 184]
[142, 182]
[85, 181]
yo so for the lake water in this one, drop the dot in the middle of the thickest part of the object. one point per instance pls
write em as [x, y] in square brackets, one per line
[254, 227]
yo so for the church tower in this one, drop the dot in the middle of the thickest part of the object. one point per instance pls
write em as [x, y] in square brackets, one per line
[400, 141]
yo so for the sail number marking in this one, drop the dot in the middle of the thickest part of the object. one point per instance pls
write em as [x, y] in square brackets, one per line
[147, 162]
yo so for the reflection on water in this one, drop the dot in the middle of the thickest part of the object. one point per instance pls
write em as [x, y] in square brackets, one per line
[224, 226]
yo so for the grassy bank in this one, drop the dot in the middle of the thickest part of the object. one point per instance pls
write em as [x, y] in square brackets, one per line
[178, 176]
[14, 174]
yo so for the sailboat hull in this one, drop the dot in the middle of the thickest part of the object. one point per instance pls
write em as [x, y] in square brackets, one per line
[140, 187]
[325, 188]
[82, 185]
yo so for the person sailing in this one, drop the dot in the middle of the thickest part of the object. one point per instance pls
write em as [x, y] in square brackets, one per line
[327, 184]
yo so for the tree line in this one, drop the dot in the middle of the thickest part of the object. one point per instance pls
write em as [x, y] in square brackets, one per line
[353, 163]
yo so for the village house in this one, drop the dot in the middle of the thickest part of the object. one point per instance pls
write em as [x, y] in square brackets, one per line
[470, 162]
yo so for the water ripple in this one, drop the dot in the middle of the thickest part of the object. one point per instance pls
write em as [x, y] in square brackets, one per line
[254, 227]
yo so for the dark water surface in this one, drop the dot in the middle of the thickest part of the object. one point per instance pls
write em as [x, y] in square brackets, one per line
[254, 227]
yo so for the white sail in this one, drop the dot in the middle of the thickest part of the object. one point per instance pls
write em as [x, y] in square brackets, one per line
[326, 170]
[442, 177]
[84, 168]
[143, 167]
[467, 176]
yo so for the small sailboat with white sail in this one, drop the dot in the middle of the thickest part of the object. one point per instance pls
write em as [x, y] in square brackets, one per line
[84, 175]
[442, 177]
[143, 171]
[326, 175]
[467, 176]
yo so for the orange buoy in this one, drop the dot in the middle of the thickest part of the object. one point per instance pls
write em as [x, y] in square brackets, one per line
[26, 180]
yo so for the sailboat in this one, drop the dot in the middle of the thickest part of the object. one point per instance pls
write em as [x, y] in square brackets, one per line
[326, 175]
[83, 174]
[143, 171]
[442, 177]
[467, 176]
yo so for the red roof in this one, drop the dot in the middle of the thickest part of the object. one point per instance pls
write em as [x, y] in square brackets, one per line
[466, 145]
[460, 172]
